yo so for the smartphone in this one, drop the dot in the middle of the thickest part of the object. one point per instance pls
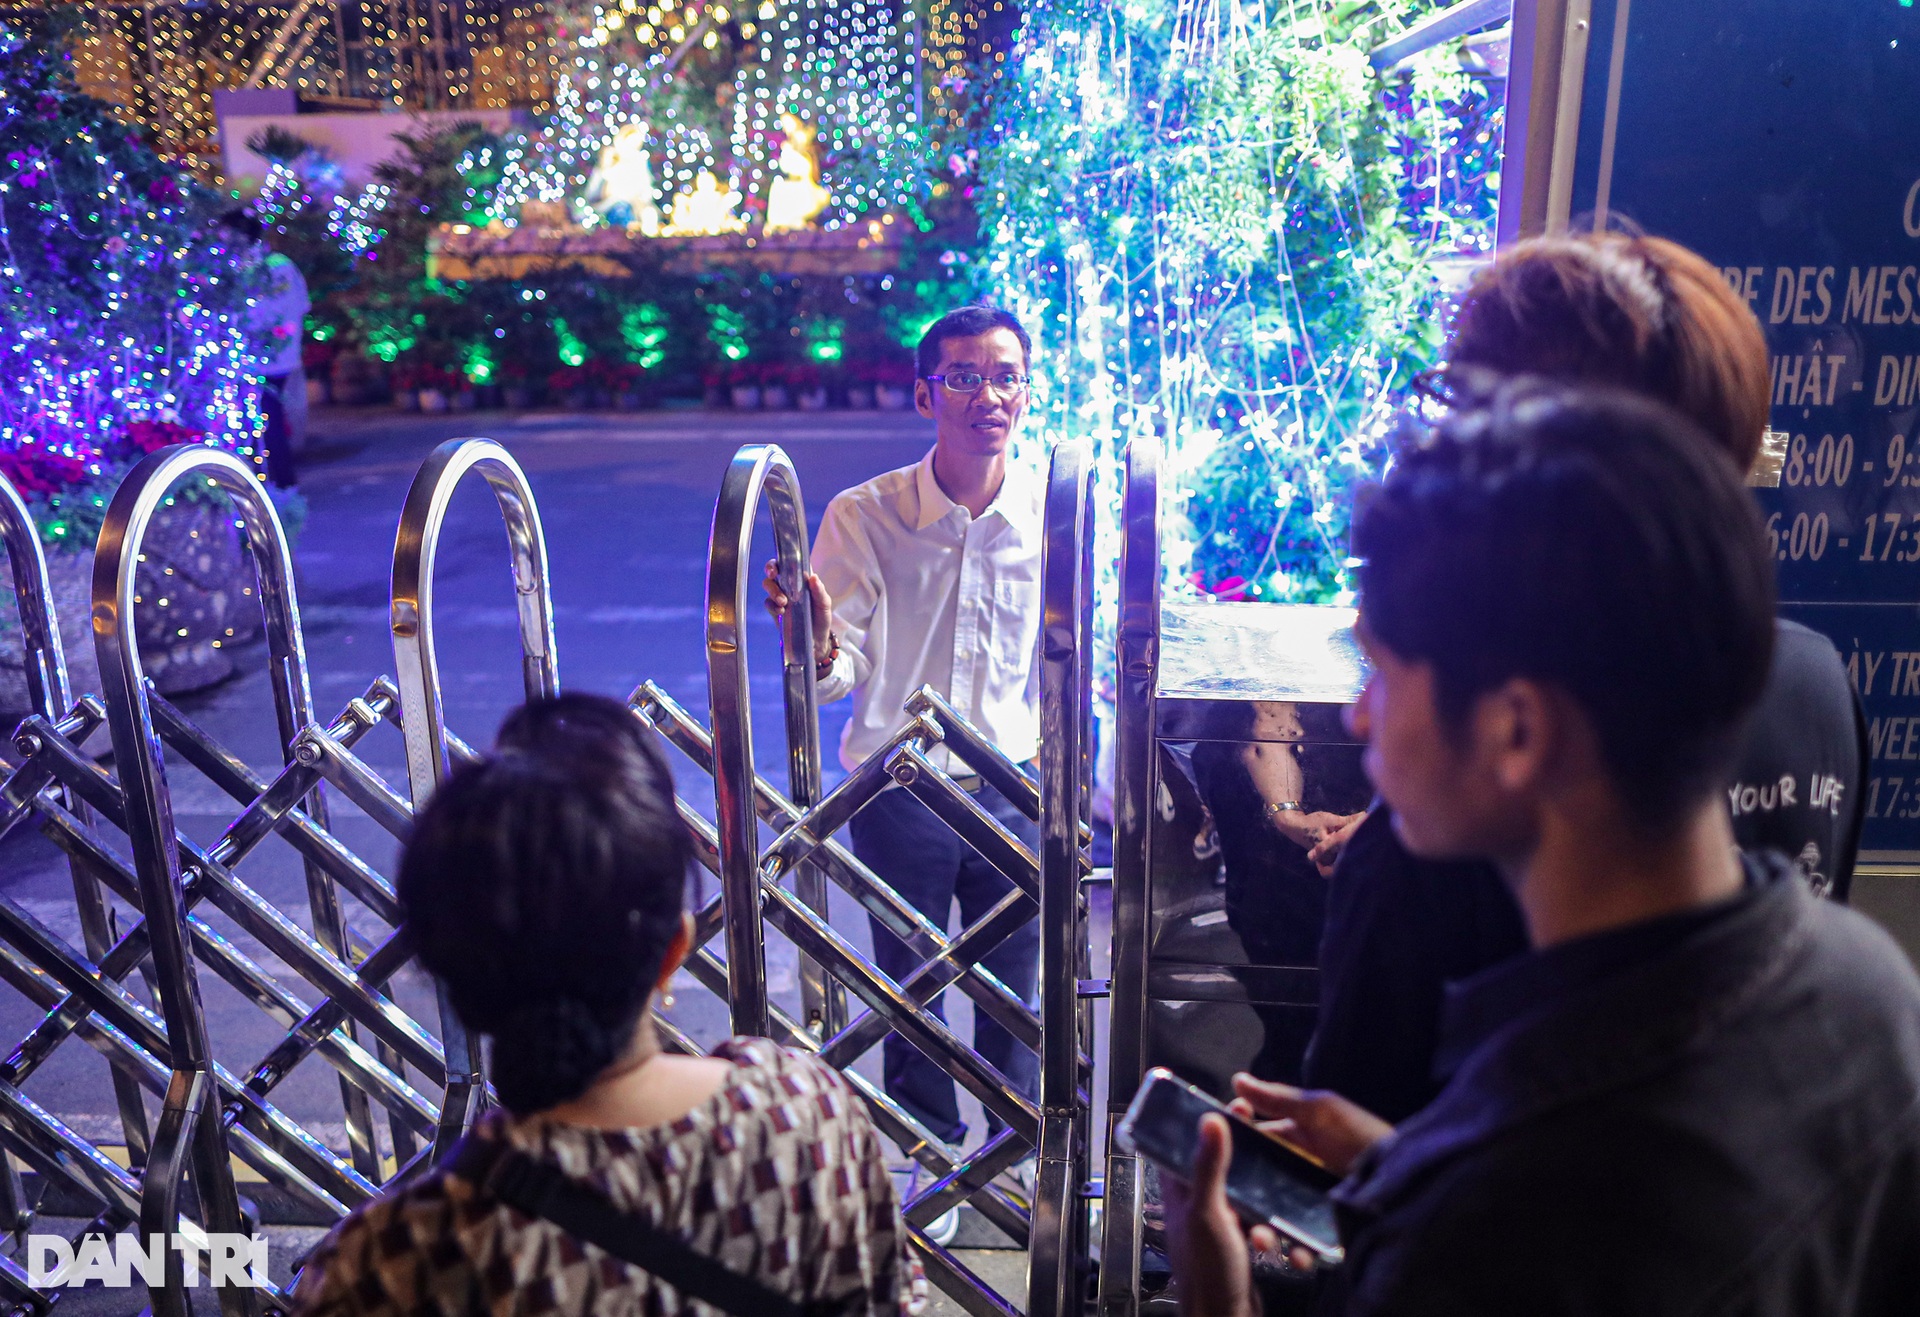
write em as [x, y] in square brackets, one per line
[1268, 1183]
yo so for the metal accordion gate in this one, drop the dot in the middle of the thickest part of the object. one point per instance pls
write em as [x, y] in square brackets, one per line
[411, 1080]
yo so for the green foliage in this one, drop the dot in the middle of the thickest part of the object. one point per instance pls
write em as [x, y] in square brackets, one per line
[279, 145]
[1222, 231]
[644, 330]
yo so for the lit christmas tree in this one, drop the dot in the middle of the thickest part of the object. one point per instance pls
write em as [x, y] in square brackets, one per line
[125, 320]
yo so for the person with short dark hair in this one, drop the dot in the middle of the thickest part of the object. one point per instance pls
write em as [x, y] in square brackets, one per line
[543, 887]
[1649, 316]
[1699, 1090]
[930, 576]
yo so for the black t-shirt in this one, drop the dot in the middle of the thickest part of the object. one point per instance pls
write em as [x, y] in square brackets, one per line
[1398, 929]
[1800, 786]
[1717, 1112]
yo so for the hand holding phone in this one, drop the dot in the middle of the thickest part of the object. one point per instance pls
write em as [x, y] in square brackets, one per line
[1323, 1127]
[1267, 1183]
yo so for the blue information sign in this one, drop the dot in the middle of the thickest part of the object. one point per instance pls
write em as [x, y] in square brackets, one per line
[1781, 139]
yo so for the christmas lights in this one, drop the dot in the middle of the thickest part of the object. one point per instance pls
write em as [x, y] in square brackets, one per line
[126, 310]
[812, 111]
[1221, 228]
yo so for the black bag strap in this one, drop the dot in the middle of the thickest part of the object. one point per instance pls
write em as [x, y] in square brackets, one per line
[539, 1189]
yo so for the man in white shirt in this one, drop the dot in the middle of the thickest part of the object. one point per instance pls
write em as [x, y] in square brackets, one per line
[930, 575]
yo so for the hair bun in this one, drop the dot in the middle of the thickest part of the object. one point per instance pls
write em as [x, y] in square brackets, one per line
[550, 1053]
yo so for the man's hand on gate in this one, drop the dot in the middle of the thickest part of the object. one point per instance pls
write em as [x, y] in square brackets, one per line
[1205, 1243]
[777, 602]
[1323, 1126]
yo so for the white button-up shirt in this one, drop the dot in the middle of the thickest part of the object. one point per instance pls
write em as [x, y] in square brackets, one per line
[926, 594]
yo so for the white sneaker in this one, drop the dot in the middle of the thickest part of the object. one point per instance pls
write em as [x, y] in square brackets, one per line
[945, 1228]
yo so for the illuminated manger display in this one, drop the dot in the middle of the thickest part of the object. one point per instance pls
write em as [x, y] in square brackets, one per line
[703, 119]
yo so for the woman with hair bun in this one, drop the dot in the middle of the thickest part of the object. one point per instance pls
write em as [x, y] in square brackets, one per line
[543, 887]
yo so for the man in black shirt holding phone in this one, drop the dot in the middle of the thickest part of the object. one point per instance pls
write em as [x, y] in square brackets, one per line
[1699, 1091]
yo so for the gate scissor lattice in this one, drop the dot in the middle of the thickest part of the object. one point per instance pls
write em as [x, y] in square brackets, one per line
[151, 902]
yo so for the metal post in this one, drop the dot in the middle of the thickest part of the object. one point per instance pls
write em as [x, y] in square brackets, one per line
[759, 469]
[44, 659]
[1057, 1262]
[1137, 659]
[138, 761]
[423, 717]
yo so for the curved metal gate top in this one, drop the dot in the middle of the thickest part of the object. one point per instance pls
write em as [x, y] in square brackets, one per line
[149, 809]
[430, 745]
[210, 1113]
[757, 471]
[422, 519]
[45, 661]
[1137, 661]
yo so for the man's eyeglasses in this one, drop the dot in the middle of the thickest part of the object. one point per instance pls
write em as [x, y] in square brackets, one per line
[969, 381]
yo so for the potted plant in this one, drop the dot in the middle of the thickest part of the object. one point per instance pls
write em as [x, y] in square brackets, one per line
[893, 386]
[406, 387]
[860, 388]
[809, 387]
[437, 387]
[516, 384]
[623, 380]
[317, 359]
[743, 385]
[571, 385]
[776, 389]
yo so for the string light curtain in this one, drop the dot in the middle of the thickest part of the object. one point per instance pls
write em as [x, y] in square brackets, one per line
[1226, 230]
[159, 64]
[712, 82]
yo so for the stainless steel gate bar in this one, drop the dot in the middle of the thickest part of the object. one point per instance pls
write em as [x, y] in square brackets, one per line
[817, 824]
[1058, 1262]
[962, 813]
[971, 746]
[757, 472]
[73, 835]
[107, 999]
[423, 720]
[232, 776]
[44, 660]
[1137, 660]
[234, 967]
[892, 1120]
[881, 901]
[216, 883]
[137, 757]
[129, 1057]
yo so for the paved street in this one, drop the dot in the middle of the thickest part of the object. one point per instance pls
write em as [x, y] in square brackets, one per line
[626, 501]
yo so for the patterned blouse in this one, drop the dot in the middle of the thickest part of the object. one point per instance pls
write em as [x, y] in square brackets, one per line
[778, 1176]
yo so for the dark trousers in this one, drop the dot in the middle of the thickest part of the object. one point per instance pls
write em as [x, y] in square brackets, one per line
[927, 863]
[278, 439]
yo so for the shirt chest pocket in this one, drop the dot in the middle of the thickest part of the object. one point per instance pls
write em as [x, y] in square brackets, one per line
[1014, 623]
